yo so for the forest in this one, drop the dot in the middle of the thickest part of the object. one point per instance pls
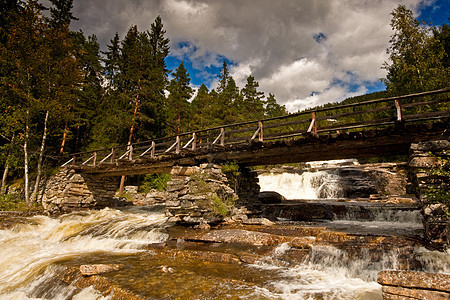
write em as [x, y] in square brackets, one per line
[60, 94]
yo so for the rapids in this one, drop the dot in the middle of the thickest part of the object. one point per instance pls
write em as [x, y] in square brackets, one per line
[33, 254]
[159, 263]
[28, 250]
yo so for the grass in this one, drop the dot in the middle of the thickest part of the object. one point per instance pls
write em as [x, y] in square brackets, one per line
[15, 203]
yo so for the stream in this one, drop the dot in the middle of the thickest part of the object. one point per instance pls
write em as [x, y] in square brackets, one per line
[163, 261]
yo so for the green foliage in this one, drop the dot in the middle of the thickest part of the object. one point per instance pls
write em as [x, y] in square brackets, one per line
[233, 173]
[220, 206]
[12, 203]
[416, 56]
[154, 181]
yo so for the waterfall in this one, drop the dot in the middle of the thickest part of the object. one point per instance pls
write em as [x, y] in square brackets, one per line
[308, 185]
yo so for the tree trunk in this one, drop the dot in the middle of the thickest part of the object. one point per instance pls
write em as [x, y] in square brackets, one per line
[5, 171]
[130, 138]
[25, 157]
[61, 151]
[41, 156]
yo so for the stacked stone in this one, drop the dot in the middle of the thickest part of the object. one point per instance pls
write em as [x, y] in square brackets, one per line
[191, 192]
[422, 160]
[247, 189]
[68, 191]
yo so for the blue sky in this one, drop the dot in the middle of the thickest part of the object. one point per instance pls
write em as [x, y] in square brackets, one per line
[306, 52]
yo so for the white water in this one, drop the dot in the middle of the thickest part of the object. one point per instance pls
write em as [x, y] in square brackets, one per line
[27, 250]
[309, 185]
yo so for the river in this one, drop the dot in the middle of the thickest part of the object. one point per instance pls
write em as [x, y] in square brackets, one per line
[158, 264]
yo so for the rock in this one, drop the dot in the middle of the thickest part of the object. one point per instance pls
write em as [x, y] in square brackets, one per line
[298, 211]
[166, 269]
[203, 226]
[430, 146]
[131, 189]
[184, 171]
[423, 162]
[249, 237]
[89, 270]
[174, 219]
[173, 203]
[414, 285]
[258, 221]
[270, 197]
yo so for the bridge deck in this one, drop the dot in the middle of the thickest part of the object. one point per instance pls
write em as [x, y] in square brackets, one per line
[362, 144]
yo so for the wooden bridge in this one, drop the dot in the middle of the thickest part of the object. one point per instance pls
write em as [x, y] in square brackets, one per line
[379, 127]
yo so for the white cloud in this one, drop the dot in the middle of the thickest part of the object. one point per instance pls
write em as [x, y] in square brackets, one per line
[272, 40]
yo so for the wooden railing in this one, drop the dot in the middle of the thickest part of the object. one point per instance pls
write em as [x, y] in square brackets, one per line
[342, 118]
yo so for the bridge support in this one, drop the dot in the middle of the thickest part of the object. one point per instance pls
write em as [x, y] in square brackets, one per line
[425, 183]
[68, 190]
[204, 195]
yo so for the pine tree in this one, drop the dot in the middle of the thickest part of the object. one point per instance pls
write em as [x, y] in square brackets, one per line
[178, 105]
[201, 109]
[273, 109]
[112, 62]
[252, 105]
[223, 106]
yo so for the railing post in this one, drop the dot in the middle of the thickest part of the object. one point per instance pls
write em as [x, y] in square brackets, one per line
[399, 110]
[177, 149]
[73, 161]
[112, 155]
[261, 136]
[222, 136]
[95, 158]
[131, 153]
[194, 141]
[313, 126]
[152, 152]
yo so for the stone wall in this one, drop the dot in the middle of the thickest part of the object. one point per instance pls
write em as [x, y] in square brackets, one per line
[422, 160]
[67, 191]
[202, 196]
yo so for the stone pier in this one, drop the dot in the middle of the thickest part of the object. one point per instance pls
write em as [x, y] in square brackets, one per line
[423, 160]
[67, 191]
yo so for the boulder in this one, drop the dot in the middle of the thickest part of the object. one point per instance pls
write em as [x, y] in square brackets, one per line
[270, 197]
[258, 221]
[414, 285]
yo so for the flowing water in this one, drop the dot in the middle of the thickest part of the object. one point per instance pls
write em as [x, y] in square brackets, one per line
[33, 254]
[309, 185]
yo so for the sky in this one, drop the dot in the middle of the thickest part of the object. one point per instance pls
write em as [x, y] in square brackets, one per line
[305, 52]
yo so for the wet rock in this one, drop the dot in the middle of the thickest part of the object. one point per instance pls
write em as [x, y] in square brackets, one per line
[414, 285]
[298, 211]
[104, 286]
[258, 221]
[248, 237]
[270, 197]
[89, 270]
